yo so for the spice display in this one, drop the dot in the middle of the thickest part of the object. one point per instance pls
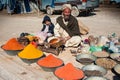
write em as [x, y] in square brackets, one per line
[115, 56]
[50, 61]
[56, 42]
[101, 54]
[85, 60]
[93, 73]
[94, 70]
[30, 37]
[53, 41]
[96, 78]
[106, 63]
[69, 72]
[117, 68]
[30, 52]
[12, 44]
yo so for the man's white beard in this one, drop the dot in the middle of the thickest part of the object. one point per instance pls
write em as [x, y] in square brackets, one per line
[66, 18]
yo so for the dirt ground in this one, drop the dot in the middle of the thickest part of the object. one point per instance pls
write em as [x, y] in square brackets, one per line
[105, 20]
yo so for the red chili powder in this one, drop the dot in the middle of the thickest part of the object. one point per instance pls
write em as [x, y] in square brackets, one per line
[50, 61]
[69, 72]
[13, 44]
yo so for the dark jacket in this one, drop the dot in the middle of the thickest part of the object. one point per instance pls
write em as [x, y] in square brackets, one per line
[50, 30]
[71, 28]
[51, 27]
[46, 18]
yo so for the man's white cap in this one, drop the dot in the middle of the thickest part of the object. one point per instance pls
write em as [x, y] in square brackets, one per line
[67, 6]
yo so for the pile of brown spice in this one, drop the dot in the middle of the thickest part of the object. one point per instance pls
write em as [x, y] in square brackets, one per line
[106, 63]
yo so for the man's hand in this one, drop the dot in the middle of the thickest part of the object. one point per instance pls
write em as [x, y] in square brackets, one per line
[67, 38]
[64, 39]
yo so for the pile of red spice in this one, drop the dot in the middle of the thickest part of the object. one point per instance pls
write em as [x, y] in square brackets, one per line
[50, 61]
[12, 44]
[69, 72]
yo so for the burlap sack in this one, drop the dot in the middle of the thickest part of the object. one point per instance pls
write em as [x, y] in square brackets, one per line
[83, 29]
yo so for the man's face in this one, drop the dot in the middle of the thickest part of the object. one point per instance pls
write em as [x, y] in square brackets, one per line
[66, 13]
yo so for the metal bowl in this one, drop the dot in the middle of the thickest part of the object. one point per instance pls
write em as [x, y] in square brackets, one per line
[118, 47]
[11, 52]
[96, 78]
[85, 58]
[101, 54]
[56, 42]
[92, 69]
[117, 69]
[115, 56]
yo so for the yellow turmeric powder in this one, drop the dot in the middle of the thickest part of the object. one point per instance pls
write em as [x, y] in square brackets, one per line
[30, 52]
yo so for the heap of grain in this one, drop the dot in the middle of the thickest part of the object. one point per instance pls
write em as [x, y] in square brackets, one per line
[106, 63]
[101, 54]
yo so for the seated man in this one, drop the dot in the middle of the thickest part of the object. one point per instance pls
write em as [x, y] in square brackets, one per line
[67, 29]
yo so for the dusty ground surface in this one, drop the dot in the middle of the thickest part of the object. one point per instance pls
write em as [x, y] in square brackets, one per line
[105, 20]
